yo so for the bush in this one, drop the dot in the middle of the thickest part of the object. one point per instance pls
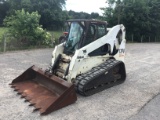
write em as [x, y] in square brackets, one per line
[25, 28]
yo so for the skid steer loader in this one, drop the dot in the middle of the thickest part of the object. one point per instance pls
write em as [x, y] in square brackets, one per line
[90, 59]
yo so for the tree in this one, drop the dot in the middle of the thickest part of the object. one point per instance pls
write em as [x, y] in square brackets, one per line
[140, 17]
[4, 7]
[154, 17]
[82, 15]
[94, 15]
[109, 12]
[52, 16]
[25, 28]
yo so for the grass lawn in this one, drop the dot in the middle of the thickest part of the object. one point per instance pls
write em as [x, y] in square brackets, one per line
[2, 31]
[56, 34]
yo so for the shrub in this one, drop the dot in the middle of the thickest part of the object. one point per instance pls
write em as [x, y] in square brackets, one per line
[25, 28]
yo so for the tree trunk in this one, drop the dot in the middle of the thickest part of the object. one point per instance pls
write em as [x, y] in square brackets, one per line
[4, 40]
[141, 38]
[132, 38]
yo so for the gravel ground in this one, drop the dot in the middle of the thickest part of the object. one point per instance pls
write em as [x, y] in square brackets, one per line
[132, 100]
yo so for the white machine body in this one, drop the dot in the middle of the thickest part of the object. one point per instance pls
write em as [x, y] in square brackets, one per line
[81, 62]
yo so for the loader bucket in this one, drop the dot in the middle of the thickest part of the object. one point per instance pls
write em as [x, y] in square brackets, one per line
[46, 93]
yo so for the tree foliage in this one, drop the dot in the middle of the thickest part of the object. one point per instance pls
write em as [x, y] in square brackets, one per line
[140, 17]
[83, 15]
[4, 7]
[51, 11]
[24, 26]
[52, 16]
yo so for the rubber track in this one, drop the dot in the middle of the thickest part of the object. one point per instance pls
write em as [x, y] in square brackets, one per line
[87, 77]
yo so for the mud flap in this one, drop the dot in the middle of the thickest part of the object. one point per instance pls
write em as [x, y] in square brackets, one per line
[46, 93]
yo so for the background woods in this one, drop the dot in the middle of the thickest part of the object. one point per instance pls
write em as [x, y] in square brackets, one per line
[140, 17]
[43, 20]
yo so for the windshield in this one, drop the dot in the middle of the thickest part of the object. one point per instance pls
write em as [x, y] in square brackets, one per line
[74, 37]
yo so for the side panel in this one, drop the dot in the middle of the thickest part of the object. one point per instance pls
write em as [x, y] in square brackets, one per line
[121, 49]
[121, 52]
[84, 65]
[57, 50]
[109, 38]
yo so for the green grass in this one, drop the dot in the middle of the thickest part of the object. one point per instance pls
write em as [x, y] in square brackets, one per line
[2, 31]
[56, 34]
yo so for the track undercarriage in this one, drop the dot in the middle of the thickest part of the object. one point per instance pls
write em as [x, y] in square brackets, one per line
[107, 74]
